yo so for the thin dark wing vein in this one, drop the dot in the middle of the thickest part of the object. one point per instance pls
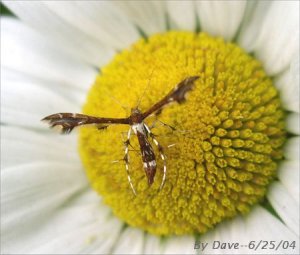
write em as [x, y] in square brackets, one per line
[68, 121]
[175, 95]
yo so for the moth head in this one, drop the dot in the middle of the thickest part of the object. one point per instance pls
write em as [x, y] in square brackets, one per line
[135, 111]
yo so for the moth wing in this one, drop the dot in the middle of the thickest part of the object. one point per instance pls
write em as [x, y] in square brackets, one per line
[66, 122]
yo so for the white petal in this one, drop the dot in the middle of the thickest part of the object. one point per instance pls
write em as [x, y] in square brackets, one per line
[180, 245]
[69, 38]
[205, 243]
[100, 20]
[288, 85]
[75, 228]
[31, 193]
[289, 176]
[293, 123]
[25, 104]
[262, 225]
[221, 18]
[152, 244]
[131, 241]
[95, 237]
[61, 221]
[294, 70]
[229, 232]
[276, 41]
[285, 206]
[149, 16]
[182, 14]
[90, 197]
[257, 225]
[71, 93]
[254, 16]
[292, 148]
[21, 146]
[28, 52]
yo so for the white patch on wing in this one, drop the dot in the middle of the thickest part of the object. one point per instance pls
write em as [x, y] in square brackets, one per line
[150, 164]
[138, 128]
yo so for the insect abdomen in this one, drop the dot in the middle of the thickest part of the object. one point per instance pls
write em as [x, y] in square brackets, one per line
[148, 156]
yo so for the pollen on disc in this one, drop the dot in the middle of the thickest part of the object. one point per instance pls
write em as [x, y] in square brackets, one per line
[222, 153]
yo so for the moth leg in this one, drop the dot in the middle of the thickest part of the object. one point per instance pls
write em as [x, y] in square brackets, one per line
[156, 120]
[126, 159]
[171, 145]
[126, 142]
[166, 125]
[162, 155]
[102, 127]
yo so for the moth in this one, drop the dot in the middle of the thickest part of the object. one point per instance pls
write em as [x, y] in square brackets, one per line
[68, 121]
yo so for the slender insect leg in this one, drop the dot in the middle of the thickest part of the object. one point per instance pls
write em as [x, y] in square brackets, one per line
[162, 155]
[160, 122]
[166, 125]
[126, 159]
[126, 141]
[171, 145]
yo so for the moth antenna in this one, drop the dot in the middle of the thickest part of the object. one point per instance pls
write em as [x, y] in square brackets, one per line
[146, 87]
[125, 107]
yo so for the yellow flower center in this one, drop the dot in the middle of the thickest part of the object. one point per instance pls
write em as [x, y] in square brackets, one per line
[226, 143]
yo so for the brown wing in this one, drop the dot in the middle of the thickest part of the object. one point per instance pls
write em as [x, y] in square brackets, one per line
[175, 95]
[68, 121]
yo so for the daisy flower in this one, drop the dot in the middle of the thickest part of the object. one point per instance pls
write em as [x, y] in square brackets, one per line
[232, 175]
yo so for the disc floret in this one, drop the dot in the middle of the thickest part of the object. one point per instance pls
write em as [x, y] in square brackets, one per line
[227, 139]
